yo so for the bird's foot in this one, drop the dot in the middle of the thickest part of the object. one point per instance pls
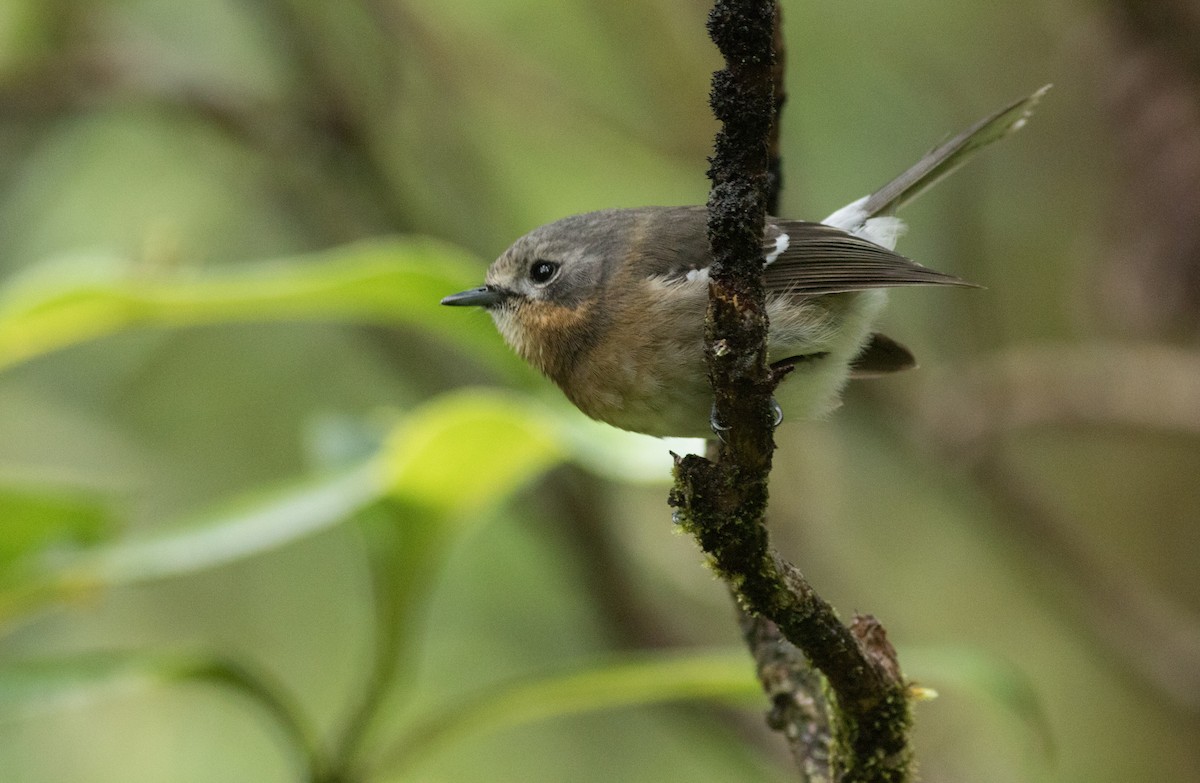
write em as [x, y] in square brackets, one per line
[715, 424]
[720, 429]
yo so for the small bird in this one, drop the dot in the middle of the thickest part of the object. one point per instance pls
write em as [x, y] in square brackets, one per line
[610, 305]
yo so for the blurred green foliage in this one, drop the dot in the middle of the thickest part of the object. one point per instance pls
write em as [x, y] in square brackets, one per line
[268, 512]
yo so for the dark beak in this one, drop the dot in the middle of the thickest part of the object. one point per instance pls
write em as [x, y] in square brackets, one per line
[483, 296]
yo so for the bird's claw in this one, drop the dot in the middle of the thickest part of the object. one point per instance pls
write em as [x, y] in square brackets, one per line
[776, 414]
[720, 429]
[715, 424]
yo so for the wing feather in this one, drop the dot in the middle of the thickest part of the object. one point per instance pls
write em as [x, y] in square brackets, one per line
[820, 259]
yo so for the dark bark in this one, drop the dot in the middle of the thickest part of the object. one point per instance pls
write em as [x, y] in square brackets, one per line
[723, 502]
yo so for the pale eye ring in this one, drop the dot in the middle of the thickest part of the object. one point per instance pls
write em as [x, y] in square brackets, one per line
[542, 271]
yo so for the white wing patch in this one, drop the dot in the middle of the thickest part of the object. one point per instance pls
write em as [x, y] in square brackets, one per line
[697, 274]
[852, 218]
[781, 244]
[883, 231]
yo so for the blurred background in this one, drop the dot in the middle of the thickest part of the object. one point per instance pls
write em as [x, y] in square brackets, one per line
[253, 528]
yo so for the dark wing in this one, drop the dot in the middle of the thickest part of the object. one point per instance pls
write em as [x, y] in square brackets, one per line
[820, 259]
[881, 356]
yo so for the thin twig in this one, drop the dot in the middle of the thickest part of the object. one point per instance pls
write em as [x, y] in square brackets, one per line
[799, 710]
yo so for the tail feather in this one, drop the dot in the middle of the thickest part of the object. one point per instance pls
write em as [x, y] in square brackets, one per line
[949, 155]
[936, 164]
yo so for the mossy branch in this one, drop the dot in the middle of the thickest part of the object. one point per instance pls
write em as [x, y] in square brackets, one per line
[723, 502]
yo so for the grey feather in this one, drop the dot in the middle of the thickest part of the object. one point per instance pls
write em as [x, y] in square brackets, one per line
[820, 259]
[949, 155]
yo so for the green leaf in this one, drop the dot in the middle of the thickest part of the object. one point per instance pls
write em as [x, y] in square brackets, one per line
[397, 282]
[727, 676]
[448, 463]
[247, 527]
[44, 684]
[37, 518]
[48, 684]
[451, 457]
[448, 459]
[470, 449]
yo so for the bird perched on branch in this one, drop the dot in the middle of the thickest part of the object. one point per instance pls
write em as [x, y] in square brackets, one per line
[610, 305]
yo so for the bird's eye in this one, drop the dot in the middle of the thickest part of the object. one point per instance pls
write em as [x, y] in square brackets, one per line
[542, 272]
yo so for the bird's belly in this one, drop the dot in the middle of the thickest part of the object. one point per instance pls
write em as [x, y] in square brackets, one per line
[656, 382]
[660, 391]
